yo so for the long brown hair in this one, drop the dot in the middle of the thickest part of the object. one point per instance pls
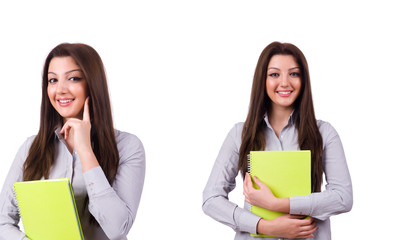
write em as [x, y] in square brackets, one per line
[42, 151]
[309, 137]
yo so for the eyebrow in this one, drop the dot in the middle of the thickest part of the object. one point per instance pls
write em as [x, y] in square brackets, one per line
[74, 70]
[280, 69]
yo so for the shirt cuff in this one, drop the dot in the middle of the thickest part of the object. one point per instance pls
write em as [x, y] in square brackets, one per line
[246, 220]
[300, 205]
[96, 182]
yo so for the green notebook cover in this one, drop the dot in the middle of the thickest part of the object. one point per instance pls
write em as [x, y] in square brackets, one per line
[48, 209]
[286, 173]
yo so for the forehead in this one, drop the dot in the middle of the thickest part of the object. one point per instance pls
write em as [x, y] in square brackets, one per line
[62, 64]
[282, 61]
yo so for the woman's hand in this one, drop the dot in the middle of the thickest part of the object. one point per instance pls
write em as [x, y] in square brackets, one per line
[288, 226]
[263, 197]
[78, 131]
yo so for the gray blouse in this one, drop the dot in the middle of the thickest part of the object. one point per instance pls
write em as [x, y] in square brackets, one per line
[114, 207]
[336, 198]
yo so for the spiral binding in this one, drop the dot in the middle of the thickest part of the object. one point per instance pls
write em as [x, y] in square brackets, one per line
[249, 163]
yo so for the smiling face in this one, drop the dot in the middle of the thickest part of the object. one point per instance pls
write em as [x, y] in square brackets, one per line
[67, 88]
[283, 83]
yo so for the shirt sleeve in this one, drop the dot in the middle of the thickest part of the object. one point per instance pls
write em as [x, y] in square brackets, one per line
[115, 207]
[221, 182]
[337, 196]
[9, 213]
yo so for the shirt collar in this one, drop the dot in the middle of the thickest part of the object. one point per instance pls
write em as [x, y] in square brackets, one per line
[290, 119]
[61, 139]
[58, 134]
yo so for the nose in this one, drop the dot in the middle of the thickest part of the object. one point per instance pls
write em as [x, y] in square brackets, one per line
[61, 87]
[284, 80]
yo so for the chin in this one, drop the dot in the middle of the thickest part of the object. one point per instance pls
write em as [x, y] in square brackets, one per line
[68, 115]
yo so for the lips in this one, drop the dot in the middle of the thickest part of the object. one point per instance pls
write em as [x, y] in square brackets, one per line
[284, 93]
[65, 101]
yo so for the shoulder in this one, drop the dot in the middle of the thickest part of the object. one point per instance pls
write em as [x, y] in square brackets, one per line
[24, 148]
[29, 140]
[128, 145]
[236, 131]
[234, 135]
[21, 156]
[126, 138]
[327, 131]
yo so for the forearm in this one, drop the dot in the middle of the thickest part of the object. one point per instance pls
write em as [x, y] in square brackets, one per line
[264, 227]
[287, 226]
[338, 196]
[88, 159]
[111, 212]
[9, 214]
[280, 205]
[322, 205]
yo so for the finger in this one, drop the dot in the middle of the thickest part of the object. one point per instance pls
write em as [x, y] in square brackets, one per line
[66, 128]
[62, 131]
[246, 184]
[309, 221]
[307, 227]
[250, 182]
[292, 216]
[307, 234]
[66, 132]
[258, 182]
[86, 113]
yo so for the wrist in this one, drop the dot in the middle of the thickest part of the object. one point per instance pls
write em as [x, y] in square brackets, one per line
[280, 205]
[267, 227]
[261, 226]
[88, 160]
[274, 204]
[84, 149]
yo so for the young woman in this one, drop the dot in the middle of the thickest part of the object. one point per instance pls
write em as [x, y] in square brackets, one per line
[76, 140]
[281, 117]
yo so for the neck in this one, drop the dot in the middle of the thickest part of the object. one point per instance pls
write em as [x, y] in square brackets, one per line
[278, 118]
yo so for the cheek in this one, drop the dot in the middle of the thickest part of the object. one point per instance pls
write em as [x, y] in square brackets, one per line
[297, 85]
[269, 85]
[51, 92]
[83, 90]
[78, 90]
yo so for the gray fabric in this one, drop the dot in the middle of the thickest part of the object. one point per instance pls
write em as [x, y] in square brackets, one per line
[336, 198]
[114, 208]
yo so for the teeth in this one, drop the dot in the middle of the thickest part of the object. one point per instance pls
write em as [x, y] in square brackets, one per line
[65, 101]
[284, 92]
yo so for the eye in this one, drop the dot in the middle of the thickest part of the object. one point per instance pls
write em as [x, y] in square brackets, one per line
[75, 79]
[52, 80]
[274, 75]
[295, 74]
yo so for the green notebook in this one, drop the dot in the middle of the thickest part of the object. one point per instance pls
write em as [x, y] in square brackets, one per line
[48, 209]
[286, 173]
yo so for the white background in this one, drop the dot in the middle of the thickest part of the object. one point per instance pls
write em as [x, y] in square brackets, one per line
[180, 77]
